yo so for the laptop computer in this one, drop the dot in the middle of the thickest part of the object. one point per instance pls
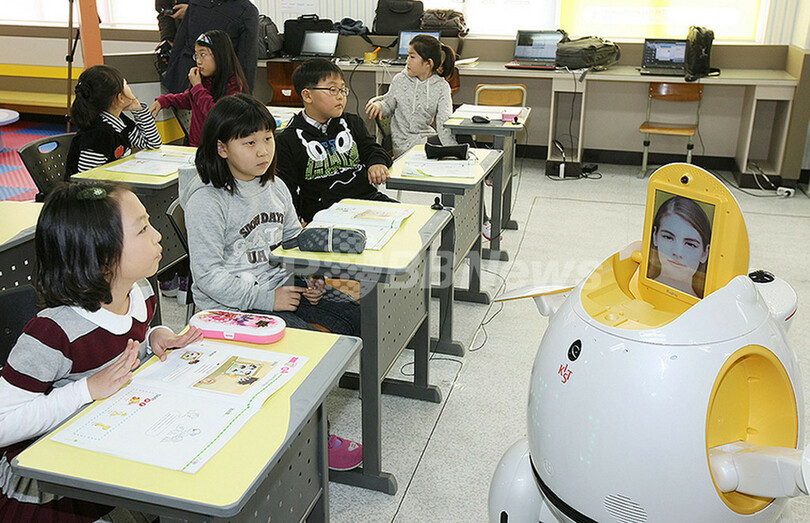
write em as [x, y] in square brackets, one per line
[535, 50]
[318, 45]
[405, 42]
[664, 57]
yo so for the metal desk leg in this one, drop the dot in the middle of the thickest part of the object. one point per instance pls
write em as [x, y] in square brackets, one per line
[507, 145]
[498, 180]
[444, 343]
[473, 292]
[370, 475]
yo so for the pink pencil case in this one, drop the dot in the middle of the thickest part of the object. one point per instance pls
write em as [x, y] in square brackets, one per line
[239, 326]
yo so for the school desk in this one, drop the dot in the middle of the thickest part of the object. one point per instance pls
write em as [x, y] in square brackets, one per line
[156, 194]
[461, 240]
[283, 115]
[274, 468]
[394, 310]
[504, 137]
[19, 221]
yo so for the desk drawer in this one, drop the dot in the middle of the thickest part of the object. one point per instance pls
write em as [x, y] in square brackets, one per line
[769, 92]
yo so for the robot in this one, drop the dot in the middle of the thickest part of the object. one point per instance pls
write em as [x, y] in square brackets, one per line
[664, 389]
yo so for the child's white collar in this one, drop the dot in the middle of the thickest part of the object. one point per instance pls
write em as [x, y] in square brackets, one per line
[118, 323]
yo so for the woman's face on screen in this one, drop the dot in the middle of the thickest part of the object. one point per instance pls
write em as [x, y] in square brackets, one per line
[680, 249]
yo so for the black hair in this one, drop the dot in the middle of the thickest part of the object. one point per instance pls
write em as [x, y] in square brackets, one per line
[95, 91]
[79, 240]
[313, 71]
[227, 64]
[429, 48]
[231, 117]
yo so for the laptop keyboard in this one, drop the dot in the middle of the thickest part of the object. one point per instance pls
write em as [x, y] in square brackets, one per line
[662, 71]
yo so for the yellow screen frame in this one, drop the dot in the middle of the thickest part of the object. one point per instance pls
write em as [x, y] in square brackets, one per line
[729, 250]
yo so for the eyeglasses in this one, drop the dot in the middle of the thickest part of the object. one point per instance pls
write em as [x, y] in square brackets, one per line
[332, 90]
[197, 57]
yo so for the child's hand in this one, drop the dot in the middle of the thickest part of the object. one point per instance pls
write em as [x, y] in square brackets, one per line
[134, 105]
[194, 76]
[112, 377]
[316, 288]
[154, 109]
[377, 174]
[179, 11]
[288, 298]
[163, 339]
[374, 110]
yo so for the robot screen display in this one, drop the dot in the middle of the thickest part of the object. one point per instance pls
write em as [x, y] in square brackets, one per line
[679, 246]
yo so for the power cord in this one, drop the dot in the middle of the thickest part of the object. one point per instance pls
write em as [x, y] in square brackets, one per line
[733, 184]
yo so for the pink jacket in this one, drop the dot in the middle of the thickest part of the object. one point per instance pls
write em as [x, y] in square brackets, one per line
[198, 98]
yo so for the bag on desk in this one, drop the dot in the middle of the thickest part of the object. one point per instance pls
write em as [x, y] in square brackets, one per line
[270, 42]
[697, 61]
[295, 28]
[447, 21]
[393, 16]
[350, 26]
[588, 52]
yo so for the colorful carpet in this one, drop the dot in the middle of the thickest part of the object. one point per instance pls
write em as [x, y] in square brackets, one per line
[15, 182]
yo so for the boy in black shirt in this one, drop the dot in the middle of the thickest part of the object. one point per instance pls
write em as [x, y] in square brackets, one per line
[325, 155]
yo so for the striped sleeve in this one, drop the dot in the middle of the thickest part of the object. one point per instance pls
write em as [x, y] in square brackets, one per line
[145, 134]
[90, 159]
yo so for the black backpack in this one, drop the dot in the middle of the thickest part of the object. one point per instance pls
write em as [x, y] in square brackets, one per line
[447, 21]
[588, 52]
[350, 26]
[393, 16]
[699, 54]
[270, 42]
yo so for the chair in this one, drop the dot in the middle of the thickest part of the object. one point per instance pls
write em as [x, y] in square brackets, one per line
[46, 161]
[184, 119]
[178, 220]
[512, 95]
[384, 127]
[17, 306]
[671, 92]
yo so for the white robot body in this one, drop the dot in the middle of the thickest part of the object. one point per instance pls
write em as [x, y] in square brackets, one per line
[635, 406]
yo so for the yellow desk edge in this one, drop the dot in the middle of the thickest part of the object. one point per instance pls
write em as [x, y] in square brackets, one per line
[481, 154]
[396, 254]
[24, 215]
[103, 172]
[224, 480]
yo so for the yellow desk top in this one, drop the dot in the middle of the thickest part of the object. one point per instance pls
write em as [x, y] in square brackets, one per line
[17, 217]
[482, 156]
[394, 258]
[145, 181]
[225, 479]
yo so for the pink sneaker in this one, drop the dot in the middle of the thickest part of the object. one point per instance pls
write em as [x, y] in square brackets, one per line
[344, 454]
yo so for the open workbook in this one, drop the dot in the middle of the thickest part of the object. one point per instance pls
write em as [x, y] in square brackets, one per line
[157, 162]
[418, 164]
[378, 223]
[178, 413]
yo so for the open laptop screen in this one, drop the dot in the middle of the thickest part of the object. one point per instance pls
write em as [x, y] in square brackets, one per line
[319, 44]
[659, 52]
[405, 40]
[537, 44]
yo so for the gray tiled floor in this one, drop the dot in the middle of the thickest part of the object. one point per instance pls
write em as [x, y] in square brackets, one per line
[443, 455]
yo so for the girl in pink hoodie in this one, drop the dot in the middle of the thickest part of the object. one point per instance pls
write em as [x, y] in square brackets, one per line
[217, 74]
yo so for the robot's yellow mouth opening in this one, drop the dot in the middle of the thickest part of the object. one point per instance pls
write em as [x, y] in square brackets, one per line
[753, 401]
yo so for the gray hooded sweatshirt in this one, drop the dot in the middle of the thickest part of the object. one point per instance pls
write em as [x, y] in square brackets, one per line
[414, 105]
[230, 237]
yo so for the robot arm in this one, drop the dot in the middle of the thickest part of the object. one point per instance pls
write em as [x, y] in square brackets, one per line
[771, 472]
[548, 298]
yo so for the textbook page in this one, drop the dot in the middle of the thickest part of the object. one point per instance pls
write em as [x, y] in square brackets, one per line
[138, 166]
[418, 164]
[378, 223]
[185, 158]
[177, 414]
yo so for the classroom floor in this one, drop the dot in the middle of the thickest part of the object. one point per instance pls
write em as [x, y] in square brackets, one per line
[443, 455]
[15, 182]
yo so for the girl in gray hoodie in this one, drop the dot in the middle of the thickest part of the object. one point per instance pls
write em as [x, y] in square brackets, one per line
[419, 95]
